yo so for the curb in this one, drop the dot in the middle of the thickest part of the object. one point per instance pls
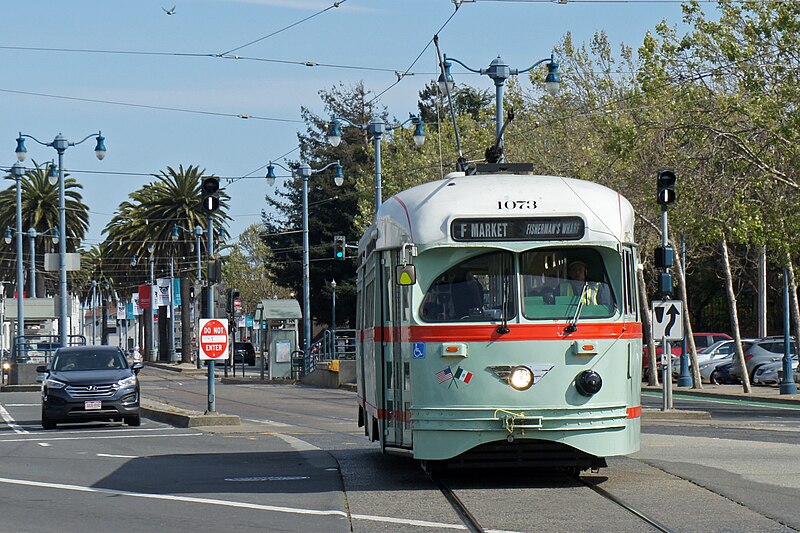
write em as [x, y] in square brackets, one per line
[183, 418]
[788, 400]
[258, 381]
[176, 368]
[21, 388]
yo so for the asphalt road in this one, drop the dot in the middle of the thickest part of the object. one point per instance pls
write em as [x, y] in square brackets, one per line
[300, 463]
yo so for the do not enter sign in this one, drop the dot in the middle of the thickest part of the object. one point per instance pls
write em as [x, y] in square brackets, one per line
[213, 339]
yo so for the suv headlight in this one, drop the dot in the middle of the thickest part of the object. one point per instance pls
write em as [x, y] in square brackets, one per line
[54, 383]
[127, 382]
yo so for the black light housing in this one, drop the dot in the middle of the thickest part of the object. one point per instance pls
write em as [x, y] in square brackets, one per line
[588, 382]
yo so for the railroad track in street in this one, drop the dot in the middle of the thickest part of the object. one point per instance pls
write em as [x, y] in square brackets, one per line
[474, 526]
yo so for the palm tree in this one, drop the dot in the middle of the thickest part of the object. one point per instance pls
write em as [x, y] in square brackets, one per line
[149, 218]
[40, 212]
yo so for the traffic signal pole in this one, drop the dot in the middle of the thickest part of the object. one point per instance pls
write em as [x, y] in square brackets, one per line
[665, 185]
[666, 354]
[212, 400]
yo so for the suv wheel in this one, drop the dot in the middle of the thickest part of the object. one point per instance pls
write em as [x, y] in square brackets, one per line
[47, 422]
[133, 420]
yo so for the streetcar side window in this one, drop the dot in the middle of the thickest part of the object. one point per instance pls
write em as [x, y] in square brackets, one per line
[555, 280]
[472, 291]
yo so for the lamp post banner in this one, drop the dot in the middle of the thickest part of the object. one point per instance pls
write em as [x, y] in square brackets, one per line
[176, 290]
[144, 296]
[163, 293]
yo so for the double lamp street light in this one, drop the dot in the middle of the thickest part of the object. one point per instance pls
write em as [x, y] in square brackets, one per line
[305, 172]
[60, 144]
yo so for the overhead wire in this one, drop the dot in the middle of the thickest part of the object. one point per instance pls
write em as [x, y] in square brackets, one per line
[292, 25]
[401, 75]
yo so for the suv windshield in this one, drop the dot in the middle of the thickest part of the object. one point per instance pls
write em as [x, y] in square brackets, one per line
[89, 361]
[554, 279]
[472, 291]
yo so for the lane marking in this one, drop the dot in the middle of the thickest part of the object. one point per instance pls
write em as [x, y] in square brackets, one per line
[270, 423]
[23, 404]
[106, 430]
[10, 421]
[240, 505]
[117, 456]
[105, 438]
[297, 445]
[44, 444]
[266, 478]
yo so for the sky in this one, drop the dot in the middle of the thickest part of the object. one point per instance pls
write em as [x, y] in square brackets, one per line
[152, 84]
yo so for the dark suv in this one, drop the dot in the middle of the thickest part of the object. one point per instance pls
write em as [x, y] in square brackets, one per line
[243, 352]
[90, 383]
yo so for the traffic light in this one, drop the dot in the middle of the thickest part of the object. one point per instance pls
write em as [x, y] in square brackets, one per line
[215, 271]
[209, 188]
[666, 186]
[339, 247]
[233, 295]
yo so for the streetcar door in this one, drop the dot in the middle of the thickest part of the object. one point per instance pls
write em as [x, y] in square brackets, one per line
[398, 317]
[392, 359]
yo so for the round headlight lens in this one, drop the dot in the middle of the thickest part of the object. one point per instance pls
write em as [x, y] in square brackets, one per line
[520, 378]
[588, 382]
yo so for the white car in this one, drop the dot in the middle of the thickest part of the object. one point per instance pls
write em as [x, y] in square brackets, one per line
[771, 373]
[715, 352]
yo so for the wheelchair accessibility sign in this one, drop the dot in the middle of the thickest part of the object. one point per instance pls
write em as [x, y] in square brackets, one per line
[419, 350]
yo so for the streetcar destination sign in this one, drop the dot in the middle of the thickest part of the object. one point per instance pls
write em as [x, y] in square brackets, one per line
[517, 229]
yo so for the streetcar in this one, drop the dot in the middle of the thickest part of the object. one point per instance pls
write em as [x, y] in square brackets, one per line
[498, 323]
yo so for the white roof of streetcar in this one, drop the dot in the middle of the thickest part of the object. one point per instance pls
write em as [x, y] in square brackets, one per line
[422, 214]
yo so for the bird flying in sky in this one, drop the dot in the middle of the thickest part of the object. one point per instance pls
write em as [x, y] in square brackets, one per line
[170, 11]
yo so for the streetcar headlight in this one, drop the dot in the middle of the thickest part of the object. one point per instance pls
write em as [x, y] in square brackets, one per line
[521, 377]
[588, 382]
[6, 365]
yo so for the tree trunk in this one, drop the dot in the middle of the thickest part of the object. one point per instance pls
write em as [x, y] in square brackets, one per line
[688, 333]
[163, 334]
[104, 322]
[652, 375]
[793, 305]
[726, 265]
[186, 322]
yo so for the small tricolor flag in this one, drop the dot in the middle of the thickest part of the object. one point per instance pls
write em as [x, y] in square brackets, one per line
[463, 375]
[444, 375]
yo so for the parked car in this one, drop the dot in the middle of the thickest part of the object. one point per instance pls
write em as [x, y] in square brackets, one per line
[244, 352]
[760, 352]
[701, 340]
[719, 350]
[772, 372]
[722, 375]
[709, 372]
[90, 383]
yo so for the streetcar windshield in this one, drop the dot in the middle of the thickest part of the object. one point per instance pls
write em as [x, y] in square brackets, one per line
[473, 291]
[554, 280]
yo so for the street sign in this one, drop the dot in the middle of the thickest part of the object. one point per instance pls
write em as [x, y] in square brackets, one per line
[668, 320]
[213, 339]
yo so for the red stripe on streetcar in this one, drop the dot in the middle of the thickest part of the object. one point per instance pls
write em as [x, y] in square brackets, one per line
[518, 332]
[635, 412]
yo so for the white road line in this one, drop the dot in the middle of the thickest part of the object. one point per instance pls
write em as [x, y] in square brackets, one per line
[44, 444]
[297, 445]
[23, 404]
[117, 456]
[240, 505]
[270, 423]
[105, 431]
[38, 438]
[10, 421]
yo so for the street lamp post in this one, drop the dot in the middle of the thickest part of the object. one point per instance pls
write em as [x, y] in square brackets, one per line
[499, 72]
[305, 172]
[94, 312]
[375, 130]
[18, 171]
[60, 144]
[32, 234]
[151, 248]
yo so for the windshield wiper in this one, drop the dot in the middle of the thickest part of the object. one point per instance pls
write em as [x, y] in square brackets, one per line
[573, 326]
[502, 329]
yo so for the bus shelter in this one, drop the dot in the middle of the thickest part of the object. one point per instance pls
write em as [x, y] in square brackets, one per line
[278, 335]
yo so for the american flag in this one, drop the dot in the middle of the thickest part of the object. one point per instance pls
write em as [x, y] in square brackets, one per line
[444, 375]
